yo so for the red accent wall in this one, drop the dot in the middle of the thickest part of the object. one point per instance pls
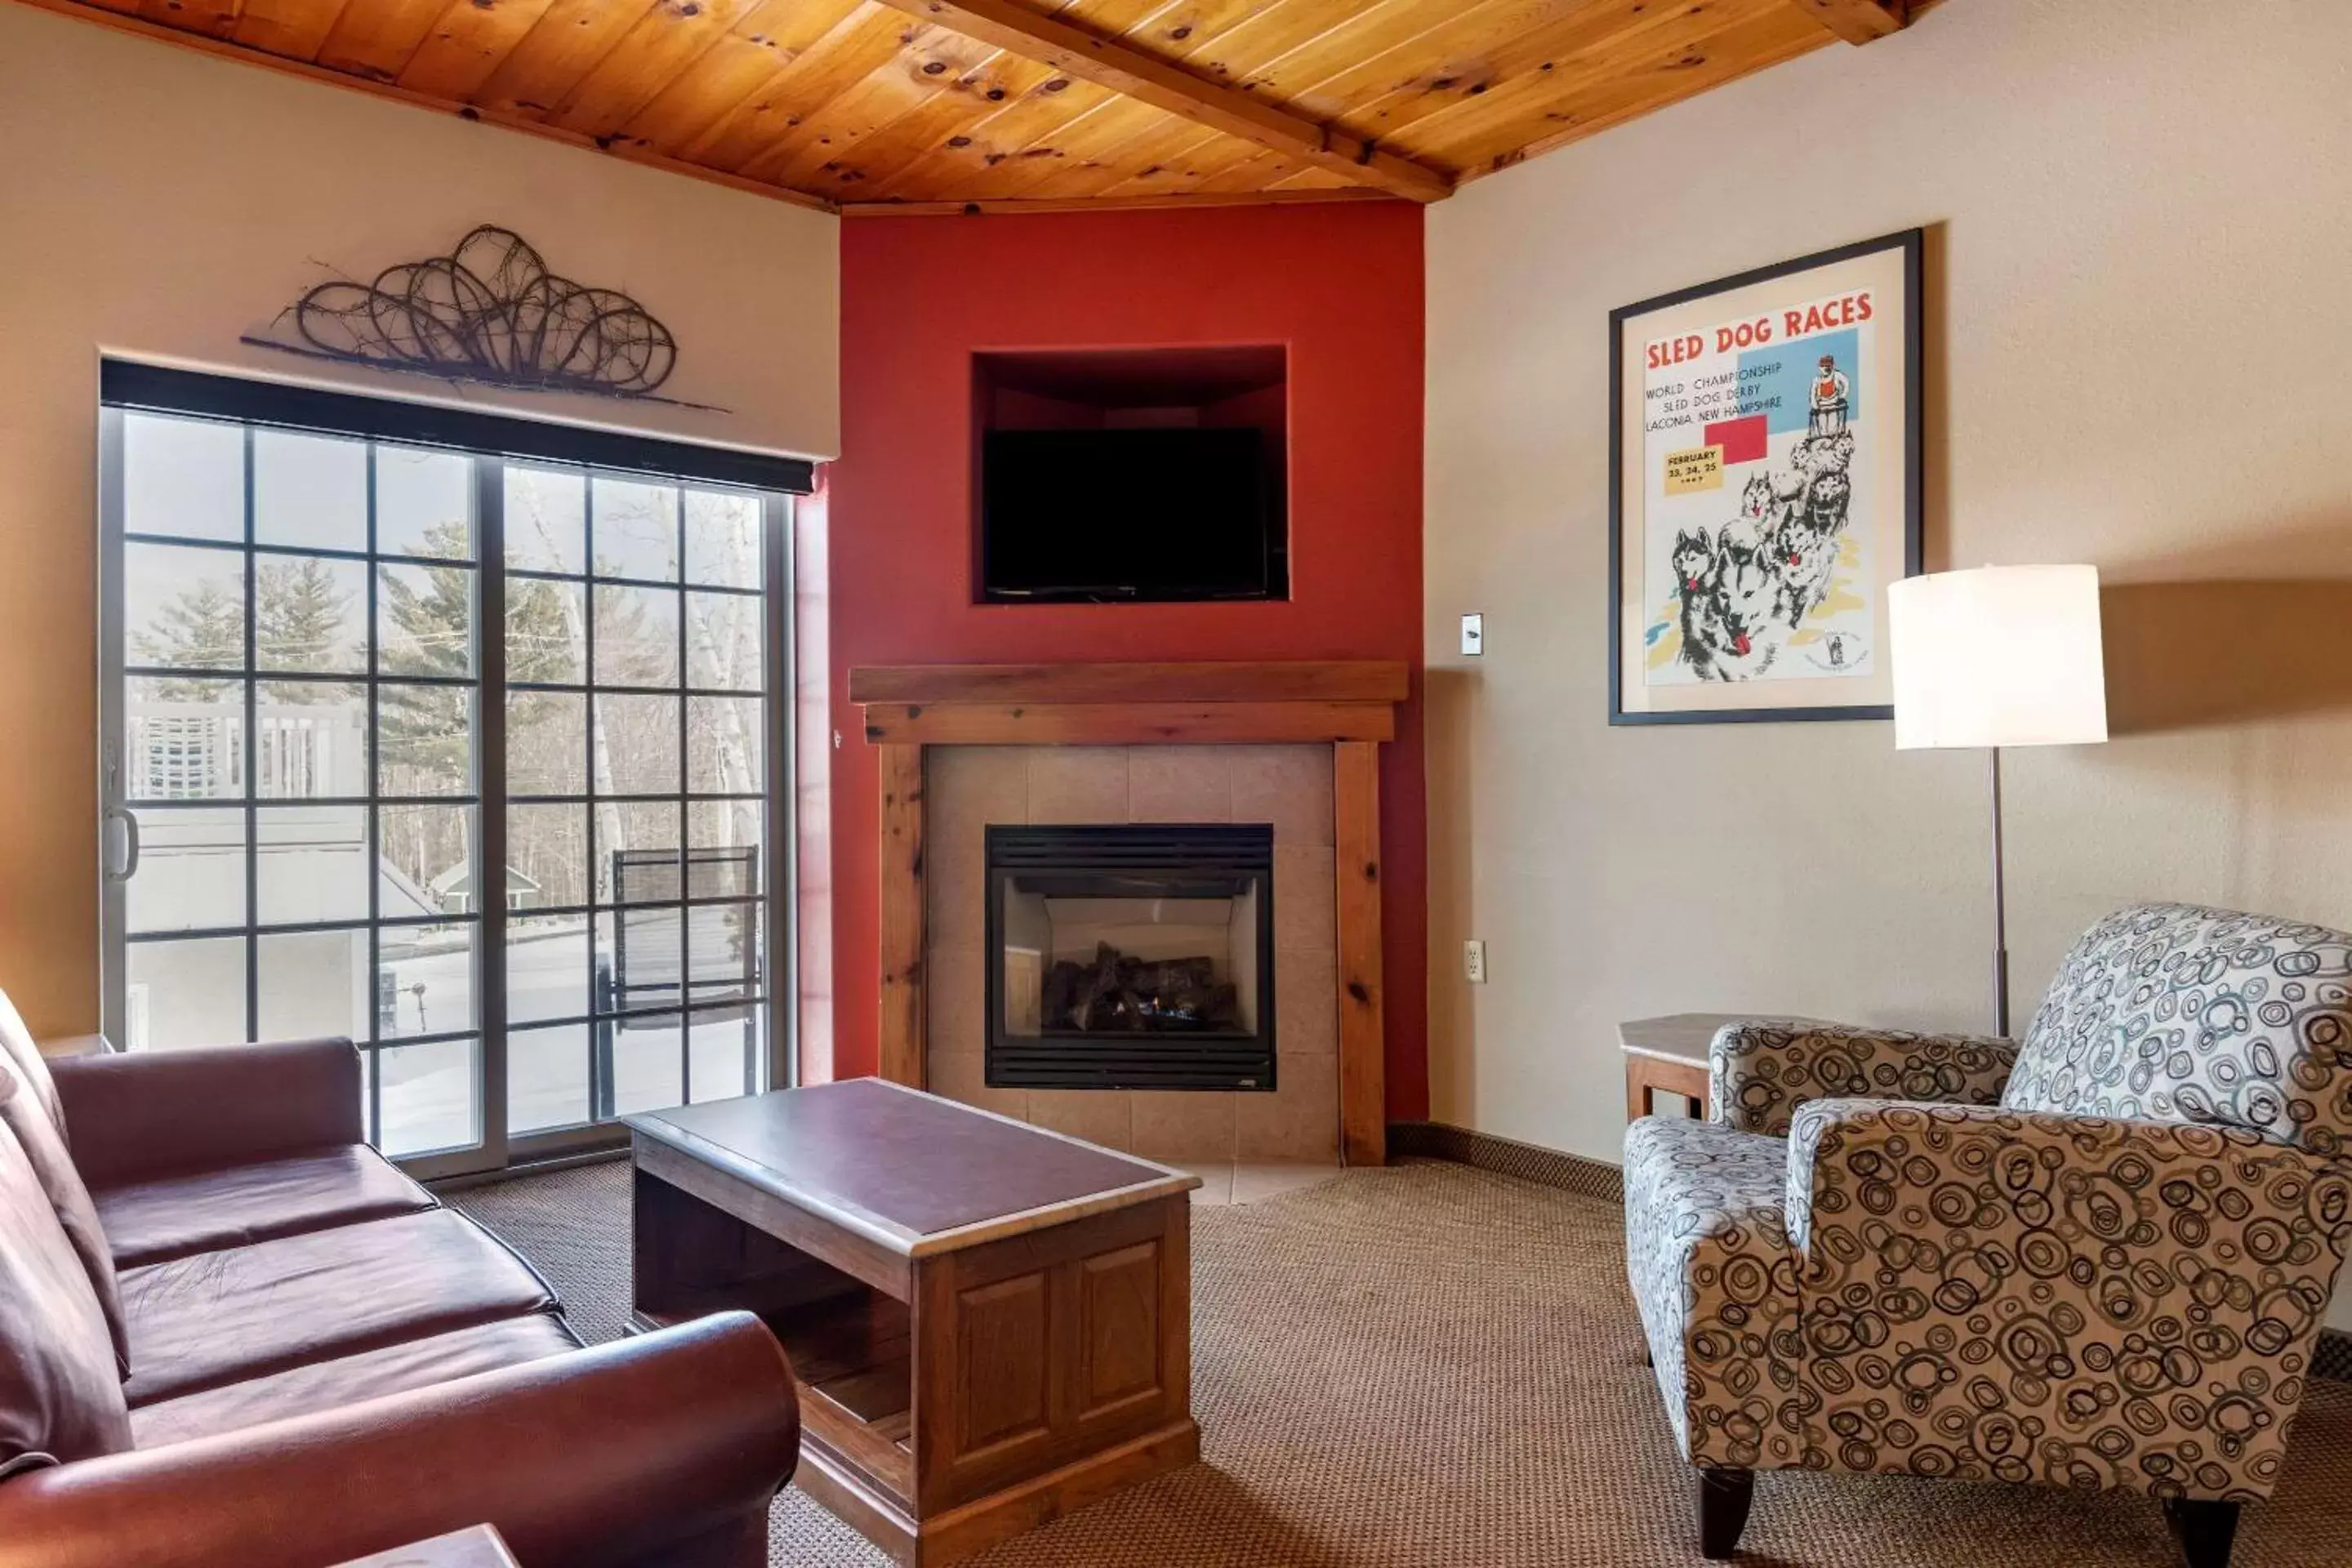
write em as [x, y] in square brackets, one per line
[1339, 284]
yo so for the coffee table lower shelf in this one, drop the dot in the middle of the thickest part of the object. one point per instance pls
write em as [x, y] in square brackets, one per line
[853, 1368]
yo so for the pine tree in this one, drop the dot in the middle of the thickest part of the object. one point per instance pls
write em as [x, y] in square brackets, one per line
[543, 644]
[204, 628]
[424, 733]
[301, 623]
[436, 623]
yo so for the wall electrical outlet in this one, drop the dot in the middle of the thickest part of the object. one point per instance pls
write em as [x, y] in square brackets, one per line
[1473, 962]
[1473, 635]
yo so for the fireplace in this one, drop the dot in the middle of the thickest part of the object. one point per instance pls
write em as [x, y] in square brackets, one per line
[1296, 745]
[1130, 956]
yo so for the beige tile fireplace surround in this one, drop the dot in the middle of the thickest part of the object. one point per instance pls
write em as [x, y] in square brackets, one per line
[967, 788]
[1295, 746]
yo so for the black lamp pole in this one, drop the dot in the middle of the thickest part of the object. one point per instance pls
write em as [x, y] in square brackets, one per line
[2000, 911]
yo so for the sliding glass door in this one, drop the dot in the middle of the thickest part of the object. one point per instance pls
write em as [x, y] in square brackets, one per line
[636, 724]
[465, 756]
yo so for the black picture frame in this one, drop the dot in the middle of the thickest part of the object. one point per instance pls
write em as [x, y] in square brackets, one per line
[1911, 244]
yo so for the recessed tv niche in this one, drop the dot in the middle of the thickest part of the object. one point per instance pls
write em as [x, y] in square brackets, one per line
[1131, 476]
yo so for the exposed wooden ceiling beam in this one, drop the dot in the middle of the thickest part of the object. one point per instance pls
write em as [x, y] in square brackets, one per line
[1860, 21]
[1114, 65]
[1164, 199]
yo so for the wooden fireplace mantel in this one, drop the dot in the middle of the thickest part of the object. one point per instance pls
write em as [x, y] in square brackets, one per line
[1348, 705]
[1127, 704]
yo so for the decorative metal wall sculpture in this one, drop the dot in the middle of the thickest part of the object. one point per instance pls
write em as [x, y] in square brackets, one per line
[490, 311]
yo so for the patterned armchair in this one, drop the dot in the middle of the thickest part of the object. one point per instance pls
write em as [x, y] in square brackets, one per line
[2099, 1259]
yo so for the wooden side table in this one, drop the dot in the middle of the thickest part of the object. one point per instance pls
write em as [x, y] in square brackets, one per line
[1671, 1054]
[479, 1547]
[75, 1046]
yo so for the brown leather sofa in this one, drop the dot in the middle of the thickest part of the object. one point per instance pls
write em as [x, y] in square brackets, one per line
[231, 1333]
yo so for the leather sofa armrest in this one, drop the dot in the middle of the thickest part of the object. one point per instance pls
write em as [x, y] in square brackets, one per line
[1760, 1073]
[148, 1112]
[638, 1451]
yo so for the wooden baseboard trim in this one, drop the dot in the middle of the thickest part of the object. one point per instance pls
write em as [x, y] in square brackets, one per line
[1507, 1157]
[1175, 199]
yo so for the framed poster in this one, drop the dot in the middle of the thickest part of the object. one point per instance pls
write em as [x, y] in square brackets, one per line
[1764, 488]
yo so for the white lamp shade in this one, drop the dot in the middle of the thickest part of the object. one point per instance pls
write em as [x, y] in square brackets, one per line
[2002, 656]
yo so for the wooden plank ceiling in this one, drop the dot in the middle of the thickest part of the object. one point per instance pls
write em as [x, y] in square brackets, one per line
[914, 105]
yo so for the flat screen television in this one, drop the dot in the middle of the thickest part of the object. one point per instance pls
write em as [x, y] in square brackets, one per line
[1110, 515]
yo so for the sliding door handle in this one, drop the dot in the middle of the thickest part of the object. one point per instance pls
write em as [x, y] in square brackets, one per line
[130, 821]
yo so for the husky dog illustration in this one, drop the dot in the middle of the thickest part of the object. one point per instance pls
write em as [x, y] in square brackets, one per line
[1826, 497]
[1703, 633]
[1702, 621]
[1769, 499]
[1746, 585]
[1818, 455]
[1743, 587]
[1694, 553]
[1804, 554]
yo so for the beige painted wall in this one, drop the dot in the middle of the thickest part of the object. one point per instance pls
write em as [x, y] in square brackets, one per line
[159, 204]
[2141, 293]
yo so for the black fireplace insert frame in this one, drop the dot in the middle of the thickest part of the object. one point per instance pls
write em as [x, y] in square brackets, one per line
[1132, 861]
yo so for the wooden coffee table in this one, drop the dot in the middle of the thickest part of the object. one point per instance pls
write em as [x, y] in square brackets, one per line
[989, 1324]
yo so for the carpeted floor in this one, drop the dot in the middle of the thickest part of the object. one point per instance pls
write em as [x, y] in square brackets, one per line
[1430, 1365]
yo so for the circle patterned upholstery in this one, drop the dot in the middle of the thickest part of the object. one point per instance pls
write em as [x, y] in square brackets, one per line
[2174, 1013]
[2002, 1295]
[2112, 1278]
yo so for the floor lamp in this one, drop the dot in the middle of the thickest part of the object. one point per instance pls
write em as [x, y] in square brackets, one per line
[2002, 656]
